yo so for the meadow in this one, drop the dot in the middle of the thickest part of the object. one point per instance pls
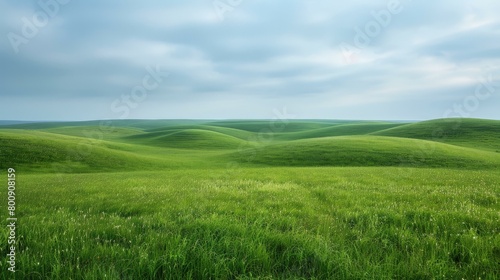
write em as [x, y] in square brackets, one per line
[301, 199]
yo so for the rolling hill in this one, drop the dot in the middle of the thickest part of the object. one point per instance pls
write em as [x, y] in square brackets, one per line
[475, 133]
[34, 150]
[170, 199]
[134, 144]
[338, 130]
[131, 123]
[367, 151]
[276, 125]
[197, 139]
[94, 132]
[238, 133]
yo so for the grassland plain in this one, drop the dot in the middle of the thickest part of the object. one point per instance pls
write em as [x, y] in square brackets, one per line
[316, 199]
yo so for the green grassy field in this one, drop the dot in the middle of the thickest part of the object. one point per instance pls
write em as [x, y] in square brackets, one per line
[309, 199]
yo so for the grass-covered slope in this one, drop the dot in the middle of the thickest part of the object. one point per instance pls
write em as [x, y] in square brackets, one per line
[141, 124]
[171, 199]
[367, 151]
[189, 139]
[300, 143]
[338, 130]
[275, 125]
[477, 133]
[238, 133]
[34, 150]
[94, 132]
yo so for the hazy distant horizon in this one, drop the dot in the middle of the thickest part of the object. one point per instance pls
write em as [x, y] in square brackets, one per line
[15, 122]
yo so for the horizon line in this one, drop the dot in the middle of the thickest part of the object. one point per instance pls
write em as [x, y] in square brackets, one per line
[233, 119]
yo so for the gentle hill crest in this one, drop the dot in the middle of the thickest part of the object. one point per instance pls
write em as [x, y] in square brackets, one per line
[198, 139]
[367, 151]
[458, 143]
[361, 128]
[475, 133]
[41, 150]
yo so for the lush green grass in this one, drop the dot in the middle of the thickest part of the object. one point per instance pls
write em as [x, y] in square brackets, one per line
[180, 199]
[238, 133]
[106, 124]
[36, 151]
[367, 151]
[475, 133]
[337, 130]
[275, 125]
[33, 150]
[273, 223]
[94, 132]
[189, 139]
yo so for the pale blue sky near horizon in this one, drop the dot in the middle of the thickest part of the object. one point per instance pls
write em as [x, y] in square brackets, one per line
[249, 59]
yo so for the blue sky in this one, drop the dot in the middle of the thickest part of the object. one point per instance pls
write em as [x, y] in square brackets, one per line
[391, 60]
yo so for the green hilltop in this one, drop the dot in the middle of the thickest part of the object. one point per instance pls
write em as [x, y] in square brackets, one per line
[368, 151]
[475, 133]
[188, 139]
[156, 144]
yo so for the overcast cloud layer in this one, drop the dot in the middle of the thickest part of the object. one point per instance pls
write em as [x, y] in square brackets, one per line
[81, 60]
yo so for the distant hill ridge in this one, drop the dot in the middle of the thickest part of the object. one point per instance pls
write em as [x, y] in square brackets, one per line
[134, 144]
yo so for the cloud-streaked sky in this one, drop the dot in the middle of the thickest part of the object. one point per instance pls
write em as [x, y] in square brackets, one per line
[368, 59]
